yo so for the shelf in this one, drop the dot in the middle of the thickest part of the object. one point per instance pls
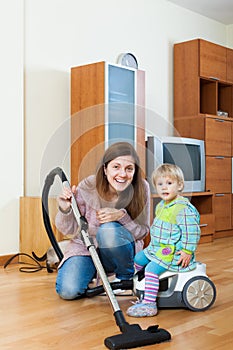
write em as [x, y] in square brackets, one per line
[208, 96]
[215, 96]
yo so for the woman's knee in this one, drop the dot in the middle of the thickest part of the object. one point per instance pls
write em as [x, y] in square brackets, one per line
[67, 292]
[113, 234]
[67, 288]
[74, 276]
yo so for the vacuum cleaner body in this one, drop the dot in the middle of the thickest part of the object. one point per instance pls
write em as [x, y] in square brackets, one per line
[192, 290]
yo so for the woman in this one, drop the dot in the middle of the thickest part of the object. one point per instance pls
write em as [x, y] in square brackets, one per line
[116, 205]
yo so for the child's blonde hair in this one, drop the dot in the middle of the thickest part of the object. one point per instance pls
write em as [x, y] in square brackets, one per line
[170, 170]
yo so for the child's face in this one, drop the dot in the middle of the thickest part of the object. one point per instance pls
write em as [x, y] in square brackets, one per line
[167, 188]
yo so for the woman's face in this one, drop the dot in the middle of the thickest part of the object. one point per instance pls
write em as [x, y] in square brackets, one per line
[120, 172]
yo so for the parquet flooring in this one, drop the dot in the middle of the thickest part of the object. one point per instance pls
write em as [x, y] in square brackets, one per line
[33, 317]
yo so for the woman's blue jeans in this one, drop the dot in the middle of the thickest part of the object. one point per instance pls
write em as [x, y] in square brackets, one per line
[116, 249]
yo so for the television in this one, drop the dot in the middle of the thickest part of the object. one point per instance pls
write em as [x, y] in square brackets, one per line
[187, 153]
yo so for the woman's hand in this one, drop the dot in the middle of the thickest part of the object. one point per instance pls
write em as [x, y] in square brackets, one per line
[109, 214]
[184, 258]
[64, 199]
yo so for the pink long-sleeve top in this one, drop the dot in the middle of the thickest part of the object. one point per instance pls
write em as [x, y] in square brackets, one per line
[89, 202]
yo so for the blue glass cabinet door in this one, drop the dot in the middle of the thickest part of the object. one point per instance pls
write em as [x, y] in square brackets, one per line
[120, 105]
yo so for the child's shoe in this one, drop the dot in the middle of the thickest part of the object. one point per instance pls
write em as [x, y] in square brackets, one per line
[141, 309]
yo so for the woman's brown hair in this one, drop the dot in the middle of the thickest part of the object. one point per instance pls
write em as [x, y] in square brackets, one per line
[133, 198]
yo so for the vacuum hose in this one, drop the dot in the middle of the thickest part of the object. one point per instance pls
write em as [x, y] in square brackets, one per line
[45, 207]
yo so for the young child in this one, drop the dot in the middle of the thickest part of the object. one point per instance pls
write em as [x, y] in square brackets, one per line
[175, 233]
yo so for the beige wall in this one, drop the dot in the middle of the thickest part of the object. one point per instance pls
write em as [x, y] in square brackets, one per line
[11, 116]
[230, 35]
[66, 33]
[59, 34]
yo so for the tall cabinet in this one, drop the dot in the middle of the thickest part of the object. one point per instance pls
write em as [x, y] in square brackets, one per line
[203, 109]
[107, 105]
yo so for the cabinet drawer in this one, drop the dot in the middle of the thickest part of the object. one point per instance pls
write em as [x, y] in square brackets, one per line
[207, 224]
[222, 210]
[218, 174]
[217, 137]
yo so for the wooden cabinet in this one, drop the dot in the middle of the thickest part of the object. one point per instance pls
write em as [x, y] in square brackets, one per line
[218, 174]
[200, 79]
[212, 60]
[33, 236]
[222, 209]
[217, 133]
[203, 201]
[218, 137]
[230, 65]
[186, 79]
[207, 225]
[107, 105]
[203, 89]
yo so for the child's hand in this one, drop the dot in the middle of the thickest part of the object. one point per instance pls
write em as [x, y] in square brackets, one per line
[184, 258]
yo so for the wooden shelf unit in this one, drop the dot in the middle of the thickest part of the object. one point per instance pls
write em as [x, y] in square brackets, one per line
[203, 86]
[202, 78]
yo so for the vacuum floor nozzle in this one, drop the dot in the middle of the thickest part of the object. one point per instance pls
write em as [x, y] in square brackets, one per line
[134, 337]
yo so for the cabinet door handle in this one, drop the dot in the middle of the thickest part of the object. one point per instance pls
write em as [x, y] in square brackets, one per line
[214, 78]
[219, 157]
[219, 120]
[219, 194]
[203, 225]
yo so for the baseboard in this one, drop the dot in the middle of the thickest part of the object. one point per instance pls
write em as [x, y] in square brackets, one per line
[206, 238]
[223, 234]
[5, 258]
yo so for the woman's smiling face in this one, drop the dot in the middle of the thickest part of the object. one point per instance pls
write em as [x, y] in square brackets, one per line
[120, 172]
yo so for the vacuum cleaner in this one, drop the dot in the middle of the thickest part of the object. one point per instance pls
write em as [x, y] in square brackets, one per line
[132, 335]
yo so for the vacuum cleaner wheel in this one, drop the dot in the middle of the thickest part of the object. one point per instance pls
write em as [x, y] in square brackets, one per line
[199, 293]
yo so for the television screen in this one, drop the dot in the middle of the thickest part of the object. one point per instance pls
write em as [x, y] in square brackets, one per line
[187, 157]
[187, 153]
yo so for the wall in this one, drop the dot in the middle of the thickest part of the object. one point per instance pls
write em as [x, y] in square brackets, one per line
[11, 115]
[230, 35]
[60, 34]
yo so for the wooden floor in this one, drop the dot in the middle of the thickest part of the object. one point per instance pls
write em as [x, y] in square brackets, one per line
[33, 317]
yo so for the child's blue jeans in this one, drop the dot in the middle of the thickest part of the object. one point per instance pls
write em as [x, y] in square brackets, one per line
[116, 250]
